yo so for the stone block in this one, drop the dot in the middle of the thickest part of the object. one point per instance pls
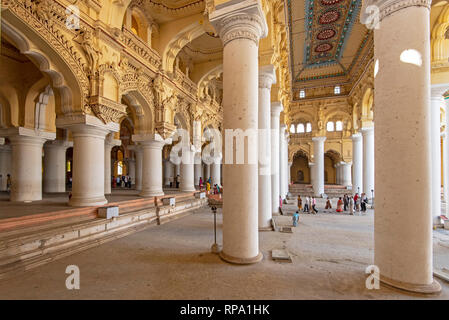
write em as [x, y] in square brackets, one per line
[281, 255]
[169, 201]
[200, 195]
[108, 212]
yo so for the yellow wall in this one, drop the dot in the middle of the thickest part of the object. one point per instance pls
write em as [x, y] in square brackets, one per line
[300, 163]
[331, 171]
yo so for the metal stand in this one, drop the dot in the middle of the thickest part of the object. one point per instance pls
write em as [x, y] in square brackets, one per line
[215, 247]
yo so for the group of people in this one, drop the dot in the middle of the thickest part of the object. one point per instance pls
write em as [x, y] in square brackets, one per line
[122, 181]
[357, 203]
[8, 181]
[309, 205]
[216, 188]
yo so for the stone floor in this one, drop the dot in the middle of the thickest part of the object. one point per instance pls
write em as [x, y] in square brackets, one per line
[330, 253]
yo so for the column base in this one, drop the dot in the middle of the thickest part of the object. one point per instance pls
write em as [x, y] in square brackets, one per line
[234, 260]
[95, 202]
[268, 228]
[150, 194]
[188, 190]
[432, 288]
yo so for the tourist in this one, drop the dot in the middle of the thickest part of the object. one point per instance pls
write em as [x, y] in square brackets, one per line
[295, 218]
[345, 202]
[307, 205]
[119, 181]
[351, 205]
[129, 182]
[215, 189]
[207, 187]
[357, 202]
[177, 181]
[339, 205]
[201, 183]
[328, 204]
[363, 202]
[125, 181]
[314, 205]
[299, 203]
[8, 182]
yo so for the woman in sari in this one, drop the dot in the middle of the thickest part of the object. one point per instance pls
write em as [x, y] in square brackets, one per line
[299, 203]
[339, 205]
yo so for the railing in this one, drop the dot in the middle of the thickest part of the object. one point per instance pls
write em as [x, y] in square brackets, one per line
[142, 49]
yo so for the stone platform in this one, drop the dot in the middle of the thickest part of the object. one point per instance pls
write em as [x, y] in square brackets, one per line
[35, 239]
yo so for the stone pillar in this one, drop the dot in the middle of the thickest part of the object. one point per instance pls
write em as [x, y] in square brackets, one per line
[5, 165]
[109, 143]
[357, 160]
[26, 173]
[276, 108]
[290, 174]
[169, 170]
[187, 171]
[286, 168]
[436, 102]
[368, 160]
[318, 157]
[240, 25]
[345, 173]
[177, 170]
[132, 171]
[88, 165]
[198, 169]
[281, 160]
[267, 77]
[403, 222]
[151, 165]
[139, 167]
[55, 165]
[337, 173]
[446, 159]
[312, 173]
[216, 172]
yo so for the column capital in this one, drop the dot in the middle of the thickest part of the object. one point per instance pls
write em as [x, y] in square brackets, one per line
[276, 109]
[367, 131]
[319, 139]
[110, 142]
[239, 20]
[387, 7]
[15, 132]
[267, 76]
[144, 138]
[59, 144]
[356, 136]
[77, 121]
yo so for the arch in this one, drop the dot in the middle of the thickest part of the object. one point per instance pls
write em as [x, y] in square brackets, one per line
[367, 105]
[142, 112]
[207, 77]
[72, 86]
[10, 105]
[299, 171]
[439, 43]
[175, 45]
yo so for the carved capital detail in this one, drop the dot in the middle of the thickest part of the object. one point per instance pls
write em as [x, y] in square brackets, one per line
[107, 110]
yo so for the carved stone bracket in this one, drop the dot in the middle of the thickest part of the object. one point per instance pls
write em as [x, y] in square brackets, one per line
[107, 110]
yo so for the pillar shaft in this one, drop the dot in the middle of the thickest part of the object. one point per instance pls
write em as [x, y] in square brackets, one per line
[26, 176]
[88, 165]
[403, 222]
[187, 171]
[168, 172]
[368, 161]
[276, 108]
[139, 167]
[267, 77]
[240, 25]
[357, 160]
[152, 168]
[5, 165]
[109, 143]
[318, 156]
[55, 166]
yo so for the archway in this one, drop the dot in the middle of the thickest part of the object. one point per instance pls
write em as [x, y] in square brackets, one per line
[299, 171]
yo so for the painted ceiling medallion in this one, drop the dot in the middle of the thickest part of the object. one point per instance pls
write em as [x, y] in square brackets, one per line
[323, 47]
[330, 2]
[329, 17]
[326, 34]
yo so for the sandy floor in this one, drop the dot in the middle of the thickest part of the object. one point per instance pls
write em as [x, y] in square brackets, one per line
[330, 253]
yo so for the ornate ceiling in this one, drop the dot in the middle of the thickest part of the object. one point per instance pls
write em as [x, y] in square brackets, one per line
[163, 11]
[326, 40]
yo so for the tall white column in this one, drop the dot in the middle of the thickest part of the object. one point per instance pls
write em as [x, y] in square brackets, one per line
[436, 102]
[446, 159]
[139, 167]
[337, 173]
[368, 160]
[286, 168]
[318, 156]
[206, 171]
[55, 165]
[187, 171]
[357, 160]
[151, 165]
[312, 173]
[88, 165]
[290, 173]
[240, 25]
[403, 219]
[282, 161]
[198, 169]
[276, 108]
[345, 173]
[267, 77]
[109, 143]
[169, 170]
[216, 172]
[132, 171]
[5, 165]
[26, 176]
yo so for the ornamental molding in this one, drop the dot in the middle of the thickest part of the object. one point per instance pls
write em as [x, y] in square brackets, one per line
[241, 26]
[107, 110]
